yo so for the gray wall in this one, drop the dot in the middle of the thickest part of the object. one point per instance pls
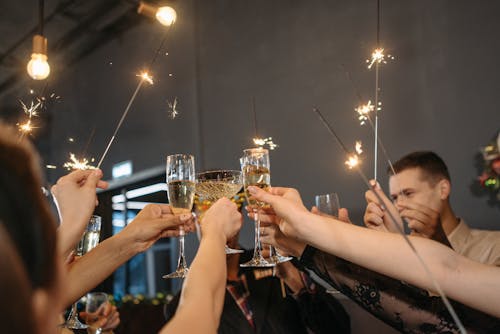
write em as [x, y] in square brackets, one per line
[439, 94]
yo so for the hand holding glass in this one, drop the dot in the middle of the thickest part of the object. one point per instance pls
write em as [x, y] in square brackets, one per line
[89, 240]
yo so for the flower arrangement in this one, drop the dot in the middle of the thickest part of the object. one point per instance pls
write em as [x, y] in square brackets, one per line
[490, 177]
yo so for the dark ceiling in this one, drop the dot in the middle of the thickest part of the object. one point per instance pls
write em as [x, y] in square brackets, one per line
[74, 29]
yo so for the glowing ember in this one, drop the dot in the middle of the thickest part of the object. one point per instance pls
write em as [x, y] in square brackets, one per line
[265, 141]
[352, 161]
[146, 77]
[364, 111]
[358, 148]
[74, 163]
[26, 127]
[378, 57]
[172, 109]
[32, 110]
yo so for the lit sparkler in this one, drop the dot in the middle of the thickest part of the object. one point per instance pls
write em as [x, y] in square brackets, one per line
[32, 110]
[353, 159]
[145, 76]
[51, 166]
[265, 141]
[74, 163]
[25, 128]
[364, 111]
[378, 57]
[172, 109]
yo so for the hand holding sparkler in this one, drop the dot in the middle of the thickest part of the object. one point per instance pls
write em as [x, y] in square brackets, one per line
[75, 198]
[375, 216]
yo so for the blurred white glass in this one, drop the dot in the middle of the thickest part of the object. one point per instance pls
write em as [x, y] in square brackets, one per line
[328, 204]
[94, 308]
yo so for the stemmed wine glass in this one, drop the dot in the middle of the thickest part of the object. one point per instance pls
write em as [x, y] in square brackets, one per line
[89, 240]
[215, 184]
[181, 190]
[328, 204]
[255, 167]
[93, 308]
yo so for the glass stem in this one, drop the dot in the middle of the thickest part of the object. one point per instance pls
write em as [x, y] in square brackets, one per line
[72, 313]
[257, 252]
[182, 260]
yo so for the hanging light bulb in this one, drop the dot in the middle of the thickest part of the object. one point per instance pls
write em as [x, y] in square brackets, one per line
[165, 15]
[38, 67]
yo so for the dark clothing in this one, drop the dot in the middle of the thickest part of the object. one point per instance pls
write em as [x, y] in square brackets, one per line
[316, 312]
[400, 305]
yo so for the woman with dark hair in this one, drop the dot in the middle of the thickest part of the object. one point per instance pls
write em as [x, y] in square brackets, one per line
[15, 309]
[26, 217]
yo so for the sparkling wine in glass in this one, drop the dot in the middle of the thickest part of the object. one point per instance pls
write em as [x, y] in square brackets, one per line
[213, 185]
[256, 172]
[89, 240]
[181, 189]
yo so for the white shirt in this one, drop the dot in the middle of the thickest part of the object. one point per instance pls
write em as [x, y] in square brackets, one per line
[478, 245]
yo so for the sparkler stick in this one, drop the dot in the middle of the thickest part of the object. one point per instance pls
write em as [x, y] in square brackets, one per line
[376, 94]
[120, 122]
[145, 76]
[364, 111]
[258, 140]
[429, 274]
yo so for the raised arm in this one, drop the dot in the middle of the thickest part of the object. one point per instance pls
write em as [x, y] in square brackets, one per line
[471, 283]
[153, 222]
[202, 297]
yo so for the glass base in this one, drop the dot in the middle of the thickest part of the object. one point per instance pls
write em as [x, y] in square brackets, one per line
[232, 250]
[275, 259]
[73, 323]
[258, 262]
[179, 273]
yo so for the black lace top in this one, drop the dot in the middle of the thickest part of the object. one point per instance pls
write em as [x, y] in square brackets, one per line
[400, 305]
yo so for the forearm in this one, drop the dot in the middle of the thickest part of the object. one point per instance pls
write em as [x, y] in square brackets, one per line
[388, 253]
[203, 291]
[207, 275]
[91, 269]
[402, 306]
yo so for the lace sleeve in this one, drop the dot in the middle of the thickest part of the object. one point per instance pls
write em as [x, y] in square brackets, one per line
[400, 305]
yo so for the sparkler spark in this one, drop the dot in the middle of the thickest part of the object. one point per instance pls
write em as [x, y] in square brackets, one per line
[75, 163]
[26, 127]
[51, 166]
[265, 141]
[364, 111]
[353, 159]
[32, 110]
[378, 57]
[172, 109]
[145, 76]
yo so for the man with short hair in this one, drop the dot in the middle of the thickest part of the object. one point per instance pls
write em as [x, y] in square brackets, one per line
[420, 191]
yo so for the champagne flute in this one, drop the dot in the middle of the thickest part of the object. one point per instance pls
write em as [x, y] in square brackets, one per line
[89, 240]
[255, 169]
[181, 190]
[215, 184]
[328, 204]
[93, 308]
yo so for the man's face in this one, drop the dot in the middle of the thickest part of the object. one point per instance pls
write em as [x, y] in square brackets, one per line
[412, 185]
